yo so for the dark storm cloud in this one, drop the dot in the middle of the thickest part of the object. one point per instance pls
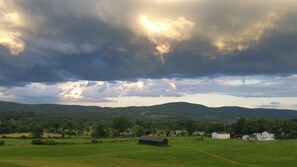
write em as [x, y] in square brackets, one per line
[70, 40]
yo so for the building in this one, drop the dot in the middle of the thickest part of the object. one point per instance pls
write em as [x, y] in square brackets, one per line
[265, 136]
[178, 132]
[250, 137]
[199, 133]
[220, 135]
[153, 140]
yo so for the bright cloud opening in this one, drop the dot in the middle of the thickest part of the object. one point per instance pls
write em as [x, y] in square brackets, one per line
[9, 36]
[163, 32]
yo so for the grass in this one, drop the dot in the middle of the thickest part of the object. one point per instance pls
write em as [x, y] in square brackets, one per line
[18, 135]
[182, 152]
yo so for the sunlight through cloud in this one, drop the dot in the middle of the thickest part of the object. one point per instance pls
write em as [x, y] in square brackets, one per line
[9, 37]
[163, 32]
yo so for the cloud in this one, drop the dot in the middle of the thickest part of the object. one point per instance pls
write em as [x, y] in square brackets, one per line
[228, 43]
[10, 20]
[32, 93]
[162, 32]
[104, 91]
[66, 47]
[275, 103]
[71, 40]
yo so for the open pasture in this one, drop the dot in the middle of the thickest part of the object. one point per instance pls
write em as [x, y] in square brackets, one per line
[181, 152]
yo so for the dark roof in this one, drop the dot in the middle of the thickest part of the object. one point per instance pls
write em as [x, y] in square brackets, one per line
[152, 138]
[252, 136]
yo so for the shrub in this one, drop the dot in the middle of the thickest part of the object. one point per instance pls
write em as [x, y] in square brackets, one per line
[23, 137]
[2, 142]
[94, 141]
[200, 138]
[45, 142]
[49, 142]
[37, 142]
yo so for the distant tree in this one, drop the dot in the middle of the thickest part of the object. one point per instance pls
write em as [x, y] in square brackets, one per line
[138, 130]
[290, 128]
[147, 132]
[190, 127]
[7, 127]
[250, 127]
[37, 131]
[140, 123]
[55, 125]
[263, 124]
[201, 126]
[100, 131]
[121, 123]
[22, 127]
[277, 126]
[115, 133]
[238, 128]
[216, 127]
[228, 128]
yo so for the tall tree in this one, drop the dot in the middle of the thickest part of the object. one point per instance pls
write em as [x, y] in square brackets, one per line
[238, 129]
[37, 131]
[190, 126]
[121, 123]
[100, 131]
[250, 127]
[277, 126]
[138, 130]
[263, 125]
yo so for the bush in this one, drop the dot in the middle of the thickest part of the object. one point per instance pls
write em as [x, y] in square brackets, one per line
[37, 142]
[200, 138]
[94, 141]
[2, 142]
[45, 142]
[49, 142]
[23, 137]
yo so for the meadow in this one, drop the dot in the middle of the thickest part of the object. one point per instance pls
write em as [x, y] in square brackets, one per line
[183, 151]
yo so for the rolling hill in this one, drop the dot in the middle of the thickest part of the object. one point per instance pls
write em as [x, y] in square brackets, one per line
[175, 111]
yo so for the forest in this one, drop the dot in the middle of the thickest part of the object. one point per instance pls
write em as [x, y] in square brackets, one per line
[161, 120]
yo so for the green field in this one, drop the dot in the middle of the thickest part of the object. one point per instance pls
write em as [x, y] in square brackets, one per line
[181, 152]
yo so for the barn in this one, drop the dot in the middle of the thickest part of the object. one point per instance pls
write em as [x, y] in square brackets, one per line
[153, 140]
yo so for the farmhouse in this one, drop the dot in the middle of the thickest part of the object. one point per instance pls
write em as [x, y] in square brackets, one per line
[265, 136]
[220, 135]
[153, 140]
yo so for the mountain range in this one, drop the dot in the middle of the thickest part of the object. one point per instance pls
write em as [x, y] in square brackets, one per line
[174, 111]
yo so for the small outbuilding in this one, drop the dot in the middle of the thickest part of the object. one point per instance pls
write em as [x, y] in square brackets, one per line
[153, 140]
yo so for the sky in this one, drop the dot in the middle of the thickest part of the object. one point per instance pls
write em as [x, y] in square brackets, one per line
[116, 53]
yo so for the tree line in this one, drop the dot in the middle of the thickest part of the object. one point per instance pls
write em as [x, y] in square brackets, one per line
[125, 127]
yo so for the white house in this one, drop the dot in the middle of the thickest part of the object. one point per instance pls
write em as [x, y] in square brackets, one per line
[178, 132]
[265, 136]
[220, 135]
